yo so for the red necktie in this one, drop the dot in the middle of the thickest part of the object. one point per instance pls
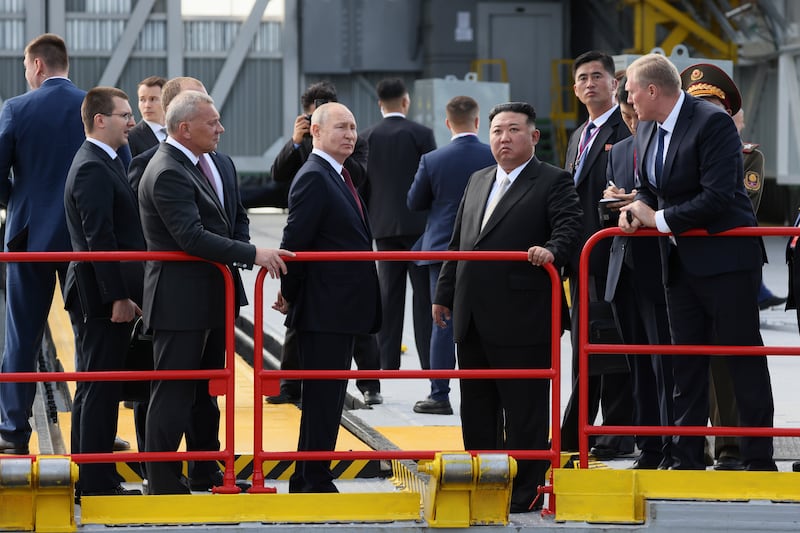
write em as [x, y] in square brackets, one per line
[349, 182]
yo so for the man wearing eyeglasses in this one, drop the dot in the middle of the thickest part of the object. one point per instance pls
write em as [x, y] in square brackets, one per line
[103, 299]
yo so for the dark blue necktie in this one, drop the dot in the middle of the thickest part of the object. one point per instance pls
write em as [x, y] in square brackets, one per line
[660, 155]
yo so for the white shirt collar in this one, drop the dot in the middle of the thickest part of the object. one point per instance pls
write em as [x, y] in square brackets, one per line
[513, 174]
[156, 127]
[672, 118]
[393, 114]
[599, 121]
[335, 164]
[106, 148]
[188, 153]
[464, 134]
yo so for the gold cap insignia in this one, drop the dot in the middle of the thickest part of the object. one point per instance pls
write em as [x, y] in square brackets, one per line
[696, 74]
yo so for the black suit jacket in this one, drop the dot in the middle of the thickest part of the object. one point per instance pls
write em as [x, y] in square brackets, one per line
[395, 147]
[331, 297]
[640, 253]
[590, 186]
[510, 301]
[141, 138]
[181, 212]
[702, 188]
[103, 215]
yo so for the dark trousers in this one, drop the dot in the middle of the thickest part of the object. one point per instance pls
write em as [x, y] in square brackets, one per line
[202, 433]
[609, 390]
[720, 309]
[365, 353]
[322, 406]
[175, 403]
[29, 293]
[506, 414]
[101, 345]
[443, 350]
[643, 320]
[392, 280]
[723, 408]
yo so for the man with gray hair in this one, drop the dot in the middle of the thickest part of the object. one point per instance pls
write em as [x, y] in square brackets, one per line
[181, 210]
[688, 182]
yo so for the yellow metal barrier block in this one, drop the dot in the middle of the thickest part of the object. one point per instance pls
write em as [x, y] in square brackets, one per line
[237, 508]
[16, 494]
[55, 478]
[618, 496]
[466, 490]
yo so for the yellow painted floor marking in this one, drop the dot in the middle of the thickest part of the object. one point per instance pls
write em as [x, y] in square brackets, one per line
[419, 438]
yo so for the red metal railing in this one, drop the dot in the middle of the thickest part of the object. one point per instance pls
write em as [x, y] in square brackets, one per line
[266, 382]
[586, 348]
[221, 382]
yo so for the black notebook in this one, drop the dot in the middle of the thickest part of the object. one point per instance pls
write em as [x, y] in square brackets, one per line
[89, 295]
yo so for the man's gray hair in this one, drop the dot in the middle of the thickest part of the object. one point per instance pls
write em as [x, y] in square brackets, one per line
[183, 108]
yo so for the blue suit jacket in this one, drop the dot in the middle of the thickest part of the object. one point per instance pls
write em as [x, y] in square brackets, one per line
[702, 188]
[439, 185]
[332, 296]
[35, 196]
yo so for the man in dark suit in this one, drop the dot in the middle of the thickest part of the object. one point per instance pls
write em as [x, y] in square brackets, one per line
[636, 293]
[102, 215]
[40, 131]
[327, 303]
[501, 310]
[587, 156]
[438, 186]
[712, 282]
[150, 130]
[286, 165]
[181, 210]
[395, 147]
[203, 433]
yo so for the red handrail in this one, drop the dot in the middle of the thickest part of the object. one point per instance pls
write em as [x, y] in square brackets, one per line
[586, 348]
[266, 382]
[221, 382]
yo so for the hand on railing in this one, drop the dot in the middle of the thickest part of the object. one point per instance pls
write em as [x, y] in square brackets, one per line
[539, 255]
[270, 259]
[636, 215]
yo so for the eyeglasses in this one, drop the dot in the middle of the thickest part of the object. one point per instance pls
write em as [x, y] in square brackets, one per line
[125, 116]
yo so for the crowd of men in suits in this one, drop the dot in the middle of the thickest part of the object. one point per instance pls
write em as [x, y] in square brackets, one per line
[348, 191]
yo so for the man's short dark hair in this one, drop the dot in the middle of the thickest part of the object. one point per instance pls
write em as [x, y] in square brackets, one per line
[51, 50]
[462, 110]
[594, 55]
[322, 90]
[515, 107]
[99, 100]
[391, 89]
[153, 81]
[622, 92]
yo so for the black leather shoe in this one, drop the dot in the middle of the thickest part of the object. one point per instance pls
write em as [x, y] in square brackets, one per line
[433, 407]
[604, 453]
[12, 448]
[762, 466]
[215, 479]
[282, 398]
[120, 445]
[771, 301]
[373, 398]
[119, 490]
[647, 462]
[728, 463]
